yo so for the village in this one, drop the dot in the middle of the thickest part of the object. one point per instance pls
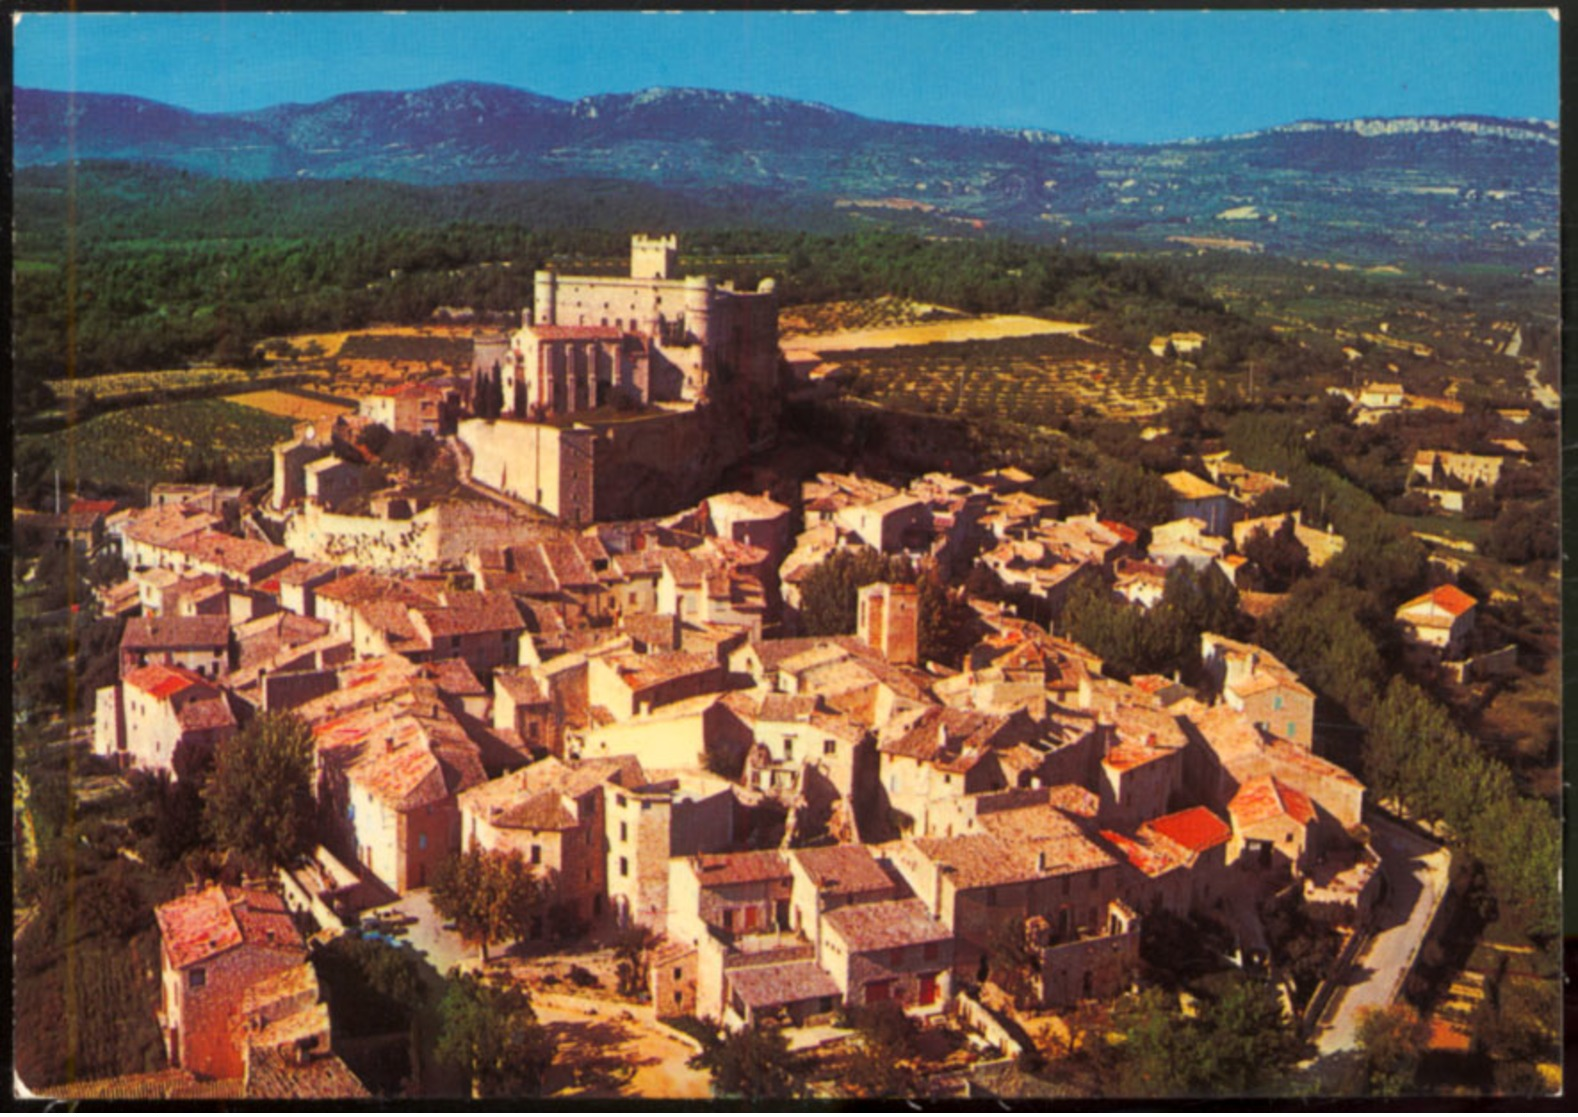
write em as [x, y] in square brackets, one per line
[782, 758]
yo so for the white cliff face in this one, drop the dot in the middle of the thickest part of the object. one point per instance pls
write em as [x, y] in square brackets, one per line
[1529, 131]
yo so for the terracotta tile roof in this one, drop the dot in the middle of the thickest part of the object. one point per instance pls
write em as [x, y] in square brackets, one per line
[300, 572]
[574, 333]
[570, 566]
[642, 671]
[781, 983]
[842, 869]
[1121, 530]
[164, 682]
[454, 676]
[1447, 598]
[883, 926]
[948, 739]
[229, 553]
[748, 506]
[205, 713]
[202, 924]
[161, 527]
[521, 684]
[1148, 859]
[358, 588]
[470, 613]
[715, 869]
[170, 1084]
[535, 797]
[1019, 845]
[1126, 756]
[1074, 800]
[1268, 797]
[176, 633]
[1196, 829]
[271, 1073]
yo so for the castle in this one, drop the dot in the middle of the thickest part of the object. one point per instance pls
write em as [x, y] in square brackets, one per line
[628, 342]
[590, 341]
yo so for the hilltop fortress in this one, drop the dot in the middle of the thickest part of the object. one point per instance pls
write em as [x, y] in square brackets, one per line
[625, 393]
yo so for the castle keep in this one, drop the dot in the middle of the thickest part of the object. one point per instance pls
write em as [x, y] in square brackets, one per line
[642, 338]
[678, 346]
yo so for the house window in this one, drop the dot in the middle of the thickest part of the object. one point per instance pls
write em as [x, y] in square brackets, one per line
[1276, 702]
[624, 866]
[196, 979]
[679, 974]
[1292, 729]
[536, 855]
[829, 747]
[421, 841]
[619, 800]
[350, 811]
[624, 832]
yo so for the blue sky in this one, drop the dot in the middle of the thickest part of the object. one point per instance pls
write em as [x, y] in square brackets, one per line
[1127, 76]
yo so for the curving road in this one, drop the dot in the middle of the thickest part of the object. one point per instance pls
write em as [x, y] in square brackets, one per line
[1416, 871]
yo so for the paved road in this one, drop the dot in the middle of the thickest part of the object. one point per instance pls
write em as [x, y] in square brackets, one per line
[607, 1050]
[1416, 871]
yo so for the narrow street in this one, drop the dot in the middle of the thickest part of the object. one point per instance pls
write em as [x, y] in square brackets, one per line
[1416, 871]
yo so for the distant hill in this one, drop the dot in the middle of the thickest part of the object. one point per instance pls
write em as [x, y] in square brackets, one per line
[1459, 189]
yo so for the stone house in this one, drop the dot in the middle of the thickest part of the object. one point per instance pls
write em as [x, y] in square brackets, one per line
[1441, 620]
[892, 950]
[161, 719]
[552, 814]
[199, 644]
[1261, 687]
[1196, 498]
[214, 946]
[388, 782]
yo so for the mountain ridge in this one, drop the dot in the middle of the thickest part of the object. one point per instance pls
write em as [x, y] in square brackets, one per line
[1373, 188]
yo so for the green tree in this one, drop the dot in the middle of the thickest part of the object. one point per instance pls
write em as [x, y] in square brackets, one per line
[1392, 1039]
[258, 800]
[491, 1033]
[887, 1039]
[828, 593]
[1279, 555]
[632, 955]
[490, 895]
[752, 1063]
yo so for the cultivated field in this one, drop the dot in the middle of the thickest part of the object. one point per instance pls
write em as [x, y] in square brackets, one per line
[1033, 379]
[129, 386]
[897, 323]
[289, 405]
[144, 445]
[360, 362]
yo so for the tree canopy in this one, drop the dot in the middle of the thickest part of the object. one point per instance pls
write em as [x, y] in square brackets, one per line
[258, 801]
[492, 1034]
[753, 1064]
[490, 895]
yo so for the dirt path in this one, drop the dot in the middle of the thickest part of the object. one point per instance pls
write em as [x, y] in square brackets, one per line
[615, 1051]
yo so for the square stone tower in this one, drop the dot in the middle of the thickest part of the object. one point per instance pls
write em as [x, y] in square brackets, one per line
[888, 618]
[653, 257]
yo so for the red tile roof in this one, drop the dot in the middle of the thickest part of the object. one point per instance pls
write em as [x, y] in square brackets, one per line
[842, 869]
[202, 924]
[164, 682]
[176, 632]
[886, 925]
[1147, 859]
[1447, 598]
[1196, 829]
[576, 333]
[714, 869]
[1268, 797]
[781, 983]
